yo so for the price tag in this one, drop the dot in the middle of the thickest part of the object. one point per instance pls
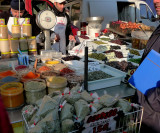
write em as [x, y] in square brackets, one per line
[93, 66]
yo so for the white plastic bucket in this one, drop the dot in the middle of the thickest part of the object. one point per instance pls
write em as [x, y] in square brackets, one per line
[93, 32]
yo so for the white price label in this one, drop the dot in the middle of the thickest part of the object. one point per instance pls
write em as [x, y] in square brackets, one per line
[93, 66]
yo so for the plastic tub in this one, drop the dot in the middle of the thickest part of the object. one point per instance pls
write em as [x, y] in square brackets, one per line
[29, 76]
[34, 90]
[56, 83]
[12, 94]
[140, 39]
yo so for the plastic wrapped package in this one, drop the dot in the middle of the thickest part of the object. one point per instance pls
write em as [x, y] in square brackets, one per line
[73, 97]
[86, 96]
[67, 112]
[82, 109]
[97, 106]
[28, 111]
[108, 100]
[124, 105]
[59, 98]
[55, 93]
[48, 104]
[46, 125]
[67, 125]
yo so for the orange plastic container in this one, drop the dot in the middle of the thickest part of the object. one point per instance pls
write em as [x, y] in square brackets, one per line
[12, 94]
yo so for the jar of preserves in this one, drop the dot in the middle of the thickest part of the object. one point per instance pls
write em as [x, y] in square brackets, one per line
[23, 45]
[3, 32]
[16, 31]
[32, 44]
[27, 30]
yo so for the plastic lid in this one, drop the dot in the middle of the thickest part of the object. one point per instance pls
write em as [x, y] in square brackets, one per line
[16, 25]
[5, 52]
[33, 50]
[3, 39]
[3, 25]
[12, 88]
[27, 24]
[22, 38]
[32, 37]
[13, 38]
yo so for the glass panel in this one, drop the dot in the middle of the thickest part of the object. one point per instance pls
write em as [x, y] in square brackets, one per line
[143, 11]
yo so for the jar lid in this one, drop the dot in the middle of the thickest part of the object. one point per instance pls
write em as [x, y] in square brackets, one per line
[3, 25]
[3, 39]
[33, 50]
[5, 52]
[16, 25]
[14, 52]
[32, 37]
[27, 24]
[13, 39]
[22, 38]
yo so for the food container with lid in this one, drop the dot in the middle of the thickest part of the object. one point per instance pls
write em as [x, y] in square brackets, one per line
[3, 32]
[34, 90]
[23, 45]
[14, 45]
[27, 30]
[12, 94]
[32, 44]
[16, 31]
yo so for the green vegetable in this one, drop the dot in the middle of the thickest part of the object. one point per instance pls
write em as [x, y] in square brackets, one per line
[135, 60]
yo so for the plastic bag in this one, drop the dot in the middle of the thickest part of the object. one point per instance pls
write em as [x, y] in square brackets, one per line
[124, 105]
[46, 125]
[71, 45]
[86, 96]
[108, 100]
[67, 112]
[67, 125]
[82, 109]
[73, 97]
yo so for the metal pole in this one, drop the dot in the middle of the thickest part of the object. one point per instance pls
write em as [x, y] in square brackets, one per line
[86, 69]
[47, 43]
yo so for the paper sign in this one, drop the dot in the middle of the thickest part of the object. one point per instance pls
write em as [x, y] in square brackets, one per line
[93, 66]
[101, 122]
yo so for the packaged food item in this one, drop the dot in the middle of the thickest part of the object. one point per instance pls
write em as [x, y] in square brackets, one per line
[124, 105]
[67, 112]
[34, 90]
[86, 96]
[12, 94]
[3, 32]
[5, 55]
[16, 31]
[32, 43]
[67, 125]
[27, 30]
[32, 52]
[23, 44]
[82, 109]
[2, 21]
[73, 97]
[4, 45]
[14, 45]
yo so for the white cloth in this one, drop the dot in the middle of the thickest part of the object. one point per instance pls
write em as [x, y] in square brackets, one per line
[60, 28]
[11, 22]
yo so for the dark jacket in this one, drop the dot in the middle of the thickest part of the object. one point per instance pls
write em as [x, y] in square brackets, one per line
[68, 26]
[153, 43]
[35, 28]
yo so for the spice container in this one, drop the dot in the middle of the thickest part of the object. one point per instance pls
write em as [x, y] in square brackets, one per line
[16, 31]
[23, 44]
[7, 73]
[34, 90]
[56, 83]
[14, 45]
[12, 94]
[32, 44]
[27, 30]
[43, 69]
[4, 45]
[3, 32]
[48, 74]
[32, 52]
[5, 55]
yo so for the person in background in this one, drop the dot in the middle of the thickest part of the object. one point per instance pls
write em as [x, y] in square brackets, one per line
[14, 12]
[62, 29]
[154, 40]
[5, 125]
[151, 100]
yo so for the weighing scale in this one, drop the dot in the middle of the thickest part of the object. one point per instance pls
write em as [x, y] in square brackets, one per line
[46, 20]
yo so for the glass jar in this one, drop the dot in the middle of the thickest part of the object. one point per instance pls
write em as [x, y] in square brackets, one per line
[14, 54]
[27, 30]
[4, 45]
[23, 44]
[3, 32]
[14, 44]
[16, 31]
[32, 44]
